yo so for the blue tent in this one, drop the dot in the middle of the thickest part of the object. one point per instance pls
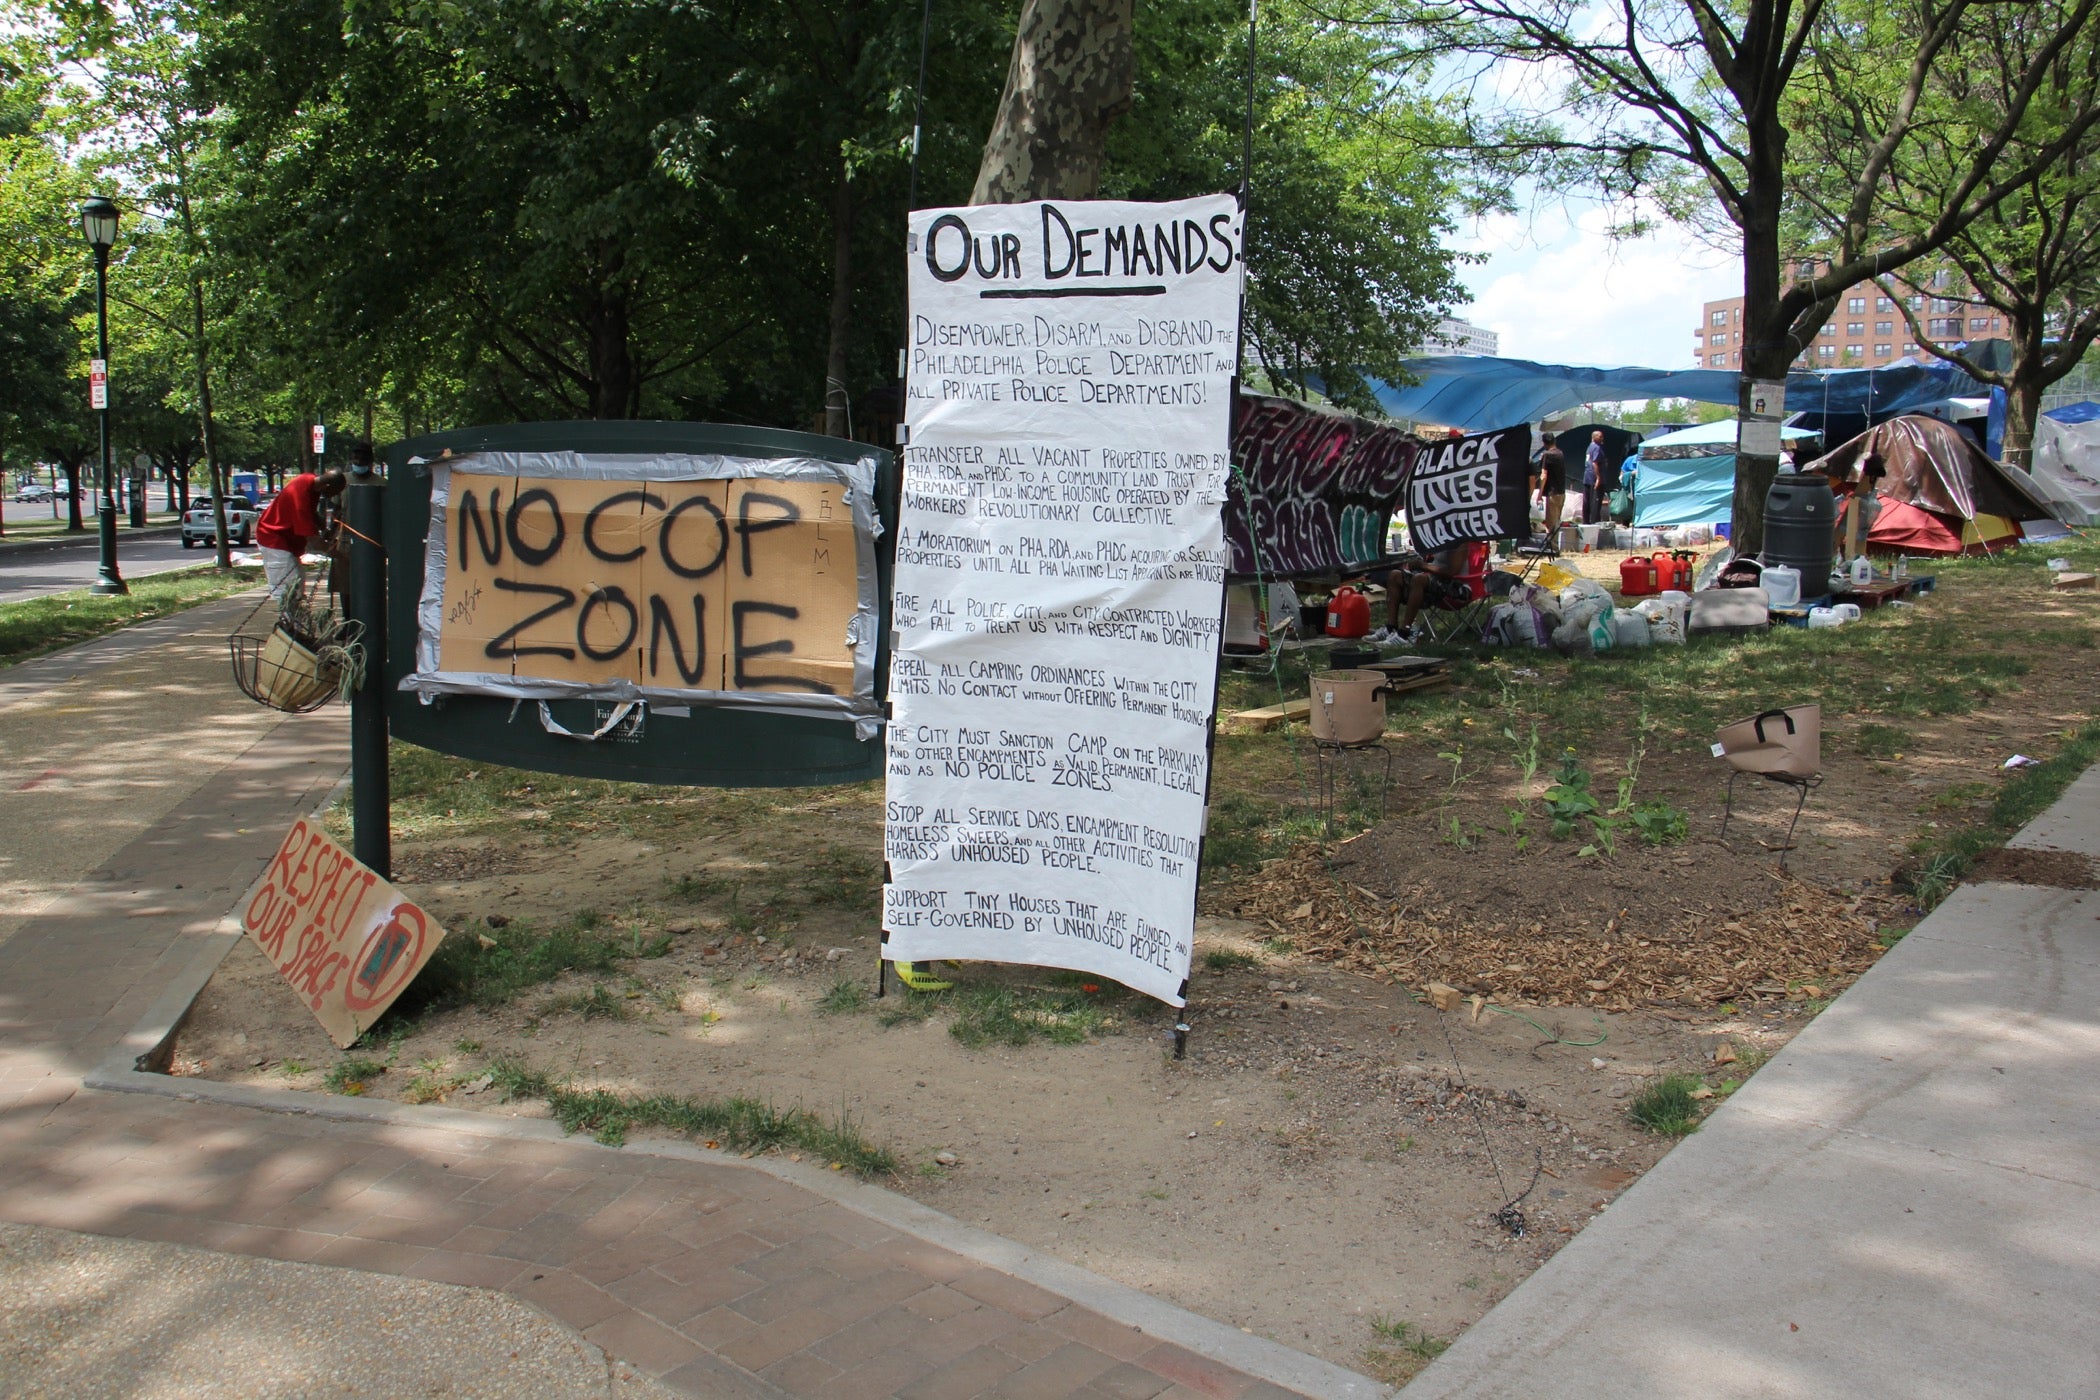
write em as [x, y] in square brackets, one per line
[1688, 477]
[2084, 412]
[1478, 392]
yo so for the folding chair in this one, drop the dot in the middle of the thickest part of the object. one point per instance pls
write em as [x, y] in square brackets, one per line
[1456, 613]
[1780, 746]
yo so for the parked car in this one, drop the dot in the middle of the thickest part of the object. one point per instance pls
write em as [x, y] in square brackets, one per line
[35, 491]
[199, 526]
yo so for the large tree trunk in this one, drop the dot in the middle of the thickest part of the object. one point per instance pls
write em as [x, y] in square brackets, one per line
[613, 385]
[1768, 345]
[1071, 76]
[837, 403]
[2023, 409]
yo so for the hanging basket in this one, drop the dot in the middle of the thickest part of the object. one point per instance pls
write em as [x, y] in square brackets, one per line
[305, 656]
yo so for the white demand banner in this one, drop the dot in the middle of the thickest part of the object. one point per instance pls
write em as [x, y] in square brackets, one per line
[1060, 567]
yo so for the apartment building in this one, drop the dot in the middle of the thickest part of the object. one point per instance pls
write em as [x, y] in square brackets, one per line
[1865, 332]
[1455, 337]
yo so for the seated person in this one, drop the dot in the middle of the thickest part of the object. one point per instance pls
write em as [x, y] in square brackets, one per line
[1435, 580]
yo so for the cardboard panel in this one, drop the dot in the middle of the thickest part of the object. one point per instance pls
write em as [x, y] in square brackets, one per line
[347, 942]
[476, 612]
[689, 554]
[792, 587]
[577, 573]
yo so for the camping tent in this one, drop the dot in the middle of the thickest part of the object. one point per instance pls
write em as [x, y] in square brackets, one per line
[1942, 494]
[2067, 462]
[1688, 477]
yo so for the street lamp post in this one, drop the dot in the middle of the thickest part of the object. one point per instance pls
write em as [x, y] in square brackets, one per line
[98, 223]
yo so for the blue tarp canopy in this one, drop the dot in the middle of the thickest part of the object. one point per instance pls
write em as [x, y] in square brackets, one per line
[1688, 477]
[1478, 392]
[2084, 412]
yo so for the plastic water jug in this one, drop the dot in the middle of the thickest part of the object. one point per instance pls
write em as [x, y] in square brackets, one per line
[1782, 584]
[1847, 612]
[1348, 613]
[1862, 571]
[1826, 617]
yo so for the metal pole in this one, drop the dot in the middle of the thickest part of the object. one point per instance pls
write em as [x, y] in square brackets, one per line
[370, 815]
[107, 579]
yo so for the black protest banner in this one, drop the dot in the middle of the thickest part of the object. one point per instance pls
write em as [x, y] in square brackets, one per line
[1470, 488]
[1311, 491]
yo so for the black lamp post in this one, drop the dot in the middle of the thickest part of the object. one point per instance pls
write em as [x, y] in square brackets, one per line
[98, 223]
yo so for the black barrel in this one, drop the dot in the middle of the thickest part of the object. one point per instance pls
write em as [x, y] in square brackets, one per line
[1800, 527]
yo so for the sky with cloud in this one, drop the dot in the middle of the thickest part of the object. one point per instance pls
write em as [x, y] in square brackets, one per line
[1559, 288]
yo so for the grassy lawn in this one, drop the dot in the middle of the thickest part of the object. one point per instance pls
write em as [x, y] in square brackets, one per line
[1968, 649]
[56, 620]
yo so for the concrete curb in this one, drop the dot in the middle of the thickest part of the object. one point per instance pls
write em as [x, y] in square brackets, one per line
[126, 1071]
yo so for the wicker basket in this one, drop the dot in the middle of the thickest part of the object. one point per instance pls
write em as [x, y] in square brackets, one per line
[284, 673]
[302, 659]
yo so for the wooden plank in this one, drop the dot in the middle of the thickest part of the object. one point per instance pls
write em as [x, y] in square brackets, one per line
[2068, 580]
[1269, 716]
[1418, 683]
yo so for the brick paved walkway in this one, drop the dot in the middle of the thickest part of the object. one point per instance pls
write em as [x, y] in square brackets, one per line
[720, 1279]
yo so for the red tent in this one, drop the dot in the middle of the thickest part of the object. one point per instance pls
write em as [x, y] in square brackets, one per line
[1942, 495]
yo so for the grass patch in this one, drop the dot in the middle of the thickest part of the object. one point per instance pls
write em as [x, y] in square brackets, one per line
[38, 625]
[352, 1075]
[1006, 1016]
[1403, 1350]
[1883, 740]
[465, 973]
[693, 889]
[738, 1124]
[905, 1007]
[1667, 1106]
[597, 1004]
[1940, 861]
[1229, 960]
[847, 995]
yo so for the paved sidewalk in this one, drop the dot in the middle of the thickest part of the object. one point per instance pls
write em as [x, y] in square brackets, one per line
[717, 1277]
[1905, 1202]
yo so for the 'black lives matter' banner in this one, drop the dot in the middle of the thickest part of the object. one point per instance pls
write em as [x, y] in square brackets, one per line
[1471, 488]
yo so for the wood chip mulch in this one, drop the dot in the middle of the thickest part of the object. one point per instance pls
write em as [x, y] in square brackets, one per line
[1809, 946]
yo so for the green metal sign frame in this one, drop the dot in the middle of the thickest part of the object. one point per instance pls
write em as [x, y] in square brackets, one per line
[710, 747]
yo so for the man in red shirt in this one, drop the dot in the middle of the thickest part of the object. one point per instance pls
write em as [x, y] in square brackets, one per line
[290, 523]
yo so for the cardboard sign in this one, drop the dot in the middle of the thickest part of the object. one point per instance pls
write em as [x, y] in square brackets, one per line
[738, 584]
[347, 942]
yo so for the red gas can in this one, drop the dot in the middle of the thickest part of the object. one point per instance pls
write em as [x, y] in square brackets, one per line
[1348, 614]
[1674, 568]
[1639, 578]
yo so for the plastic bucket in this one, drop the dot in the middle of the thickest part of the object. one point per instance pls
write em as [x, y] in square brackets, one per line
[1348, 707]
[1782, 584]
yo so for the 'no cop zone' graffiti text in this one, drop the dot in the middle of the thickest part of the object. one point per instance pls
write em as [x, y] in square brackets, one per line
[743, 584]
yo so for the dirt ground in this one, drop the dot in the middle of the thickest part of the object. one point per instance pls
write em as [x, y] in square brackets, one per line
[1333, 1151]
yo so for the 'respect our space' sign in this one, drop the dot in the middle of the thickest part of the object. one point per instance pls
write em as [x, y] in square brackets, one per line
[1059, 582]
